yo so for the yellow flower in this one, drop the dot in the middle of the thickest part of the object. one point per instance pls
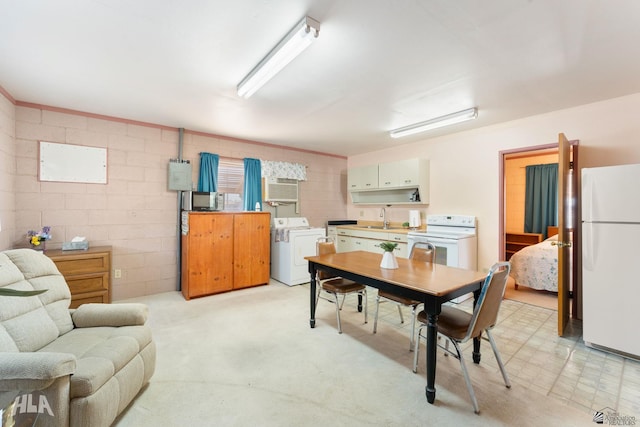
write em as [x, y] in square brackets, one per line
[35, 240]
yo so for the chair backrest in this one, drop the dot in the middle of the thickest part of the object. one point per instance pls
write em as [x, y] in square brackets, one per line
[485, 313]
[324, 246]
[423, 251]
[29, 323]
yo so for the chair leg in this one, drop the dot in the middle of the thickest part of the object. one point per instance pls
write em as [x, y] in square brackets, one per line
[366, 305]
[416, 349]
[338, 313]
[414, 312]
[400, 313]
[414, 316]
[498, 359]
[467, 379]
[375, 319]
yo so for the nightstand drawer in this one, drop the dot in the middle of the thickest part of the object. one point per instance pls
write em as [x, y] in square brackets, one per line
[81, 264]
[87, 273]
[88, 283]
[93, 297]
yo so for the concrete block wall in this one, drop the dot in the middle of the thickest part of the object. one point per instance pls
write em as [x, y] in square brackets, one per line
[7, 171]
[134, 212]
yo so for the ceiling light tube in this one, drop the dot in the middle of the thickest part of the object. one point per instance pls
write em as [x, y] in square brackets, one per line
[297, 40]
[449, 119]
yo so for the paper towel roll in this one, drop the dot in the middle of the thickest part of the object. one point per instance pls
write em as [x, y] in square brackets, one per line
[414, 219]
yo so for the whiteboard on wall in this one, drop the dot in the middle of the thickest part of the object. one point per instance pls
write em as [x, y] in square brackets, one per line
[72, 163]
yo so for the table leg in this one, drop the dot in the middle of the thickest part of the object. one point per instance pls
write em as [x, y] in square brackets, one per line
[312, 295]
[476, 341]
[476, 350]
[432, 336]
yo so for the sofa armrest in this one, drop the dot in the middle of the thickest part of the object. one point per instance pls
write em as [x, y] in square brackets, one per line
[33, 371]
[94, 315]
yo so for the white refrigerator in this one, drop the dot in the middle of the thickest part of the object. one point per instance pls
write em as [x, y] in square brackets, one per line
[611, 257]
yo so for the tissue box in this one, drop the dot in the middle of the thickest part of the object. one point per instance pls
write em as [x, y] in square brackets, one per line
[75, 246]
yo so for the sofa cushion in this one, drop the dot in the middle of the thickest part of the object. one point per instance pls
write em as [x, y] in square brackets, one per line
[96, 314]
[32, 322]
[40, 272]
[101, 352]
[7, 344]
[30, 330]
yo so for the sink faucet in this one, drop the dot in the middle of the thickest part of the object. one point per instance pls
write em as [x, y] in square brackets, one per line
[383, 215]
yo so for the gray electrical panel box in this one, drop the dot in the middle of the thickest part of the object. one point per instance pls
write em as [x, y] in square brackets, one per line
[179, 175]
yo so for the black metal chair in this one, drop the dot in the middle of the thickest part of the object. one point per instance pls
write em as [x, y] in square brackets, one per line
[335, 286]
[421, 251]
[458, 326]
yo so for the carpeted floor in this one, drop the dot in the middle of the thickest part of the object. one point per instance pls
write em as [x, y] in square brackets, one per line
[535, 297]
[250, 358]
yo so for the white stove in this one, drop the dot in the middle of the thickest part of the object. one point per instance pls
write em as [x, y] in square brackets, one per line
[292, 239]
[455, 239]
[449, 227]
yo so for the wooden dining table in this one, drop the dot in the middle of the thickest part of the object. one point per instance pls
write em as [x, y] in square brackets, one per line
[431, 283]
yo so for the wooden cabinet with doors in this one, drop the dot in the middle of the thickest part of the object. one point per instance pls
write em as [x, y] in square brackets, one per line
[87, 273]
[251, 249]
[223, 251]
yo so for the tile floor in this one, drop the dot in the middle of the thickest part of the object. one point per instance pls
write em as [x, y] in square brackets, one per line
[559, 367]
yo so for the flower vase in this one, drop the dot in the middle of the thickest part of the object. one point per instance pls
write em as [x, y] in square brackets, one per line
[389, 260]
[41, 247]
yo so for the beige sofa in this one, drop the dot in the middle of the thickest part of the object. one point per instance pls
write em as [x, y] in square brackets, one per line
[79, 367]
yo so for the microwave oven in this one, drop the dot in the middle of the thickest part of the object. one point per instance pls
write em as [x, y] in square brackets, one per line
[203, 201]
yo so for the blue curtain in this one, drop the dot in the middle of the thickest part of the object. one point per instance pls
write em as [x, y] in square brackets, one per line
[208, 179]
[252, 184]
[541, 198]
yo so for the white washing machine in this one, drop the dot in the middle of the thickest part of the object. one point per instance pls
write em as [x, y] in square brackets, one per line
[292, 239]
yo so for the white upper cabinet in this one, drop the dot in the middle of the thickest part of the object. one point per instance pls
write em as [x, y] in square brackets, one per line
[362, 178]
[399, 182]
[403, 173]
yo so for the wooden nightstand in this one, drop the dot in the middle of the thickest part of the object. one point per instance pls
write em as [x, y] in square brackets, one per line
[517, 241]
[88, 273]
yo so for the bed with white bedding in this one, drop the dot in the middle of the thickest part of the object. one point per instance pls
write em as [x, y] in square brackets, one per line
[536, 266]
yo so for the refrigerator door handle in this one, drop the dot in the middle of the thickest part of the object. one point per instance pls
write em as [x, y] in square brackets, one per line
[587, 196]
[587, 247]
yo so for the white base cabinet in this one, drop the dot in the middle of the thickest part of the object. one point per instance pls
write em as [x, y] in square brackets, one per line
[360, 240]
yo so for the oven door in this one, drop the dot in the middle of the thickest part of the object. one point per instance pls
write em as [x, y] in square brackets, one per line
[446, 249]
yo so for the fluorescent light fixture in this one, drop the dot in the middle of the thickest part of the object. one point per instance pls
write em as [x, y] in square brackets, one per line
[449, 119]
[297, 40]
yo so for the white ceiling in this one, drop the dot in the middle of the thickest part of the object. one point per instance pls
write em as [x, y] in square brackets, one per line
[377, 64]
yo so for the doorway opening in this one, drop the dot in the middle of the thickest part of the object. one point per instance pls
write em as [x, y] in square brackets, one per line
[513, 237]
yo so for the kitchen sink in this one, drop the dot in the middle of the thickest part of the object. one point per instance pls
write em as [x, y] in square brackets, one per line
[378, 227]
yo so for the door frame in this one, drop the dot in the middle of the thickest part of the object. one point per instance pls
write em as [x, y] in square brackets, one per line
[576, 302]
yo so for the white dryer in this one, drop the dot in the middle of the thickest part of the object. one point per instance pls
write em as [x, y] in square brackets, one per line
[292, 239]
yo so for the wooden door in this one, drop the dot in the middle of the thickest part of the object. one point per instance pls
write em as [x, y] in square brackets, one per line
[251, 249]
[564, 240]
[208, 265]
